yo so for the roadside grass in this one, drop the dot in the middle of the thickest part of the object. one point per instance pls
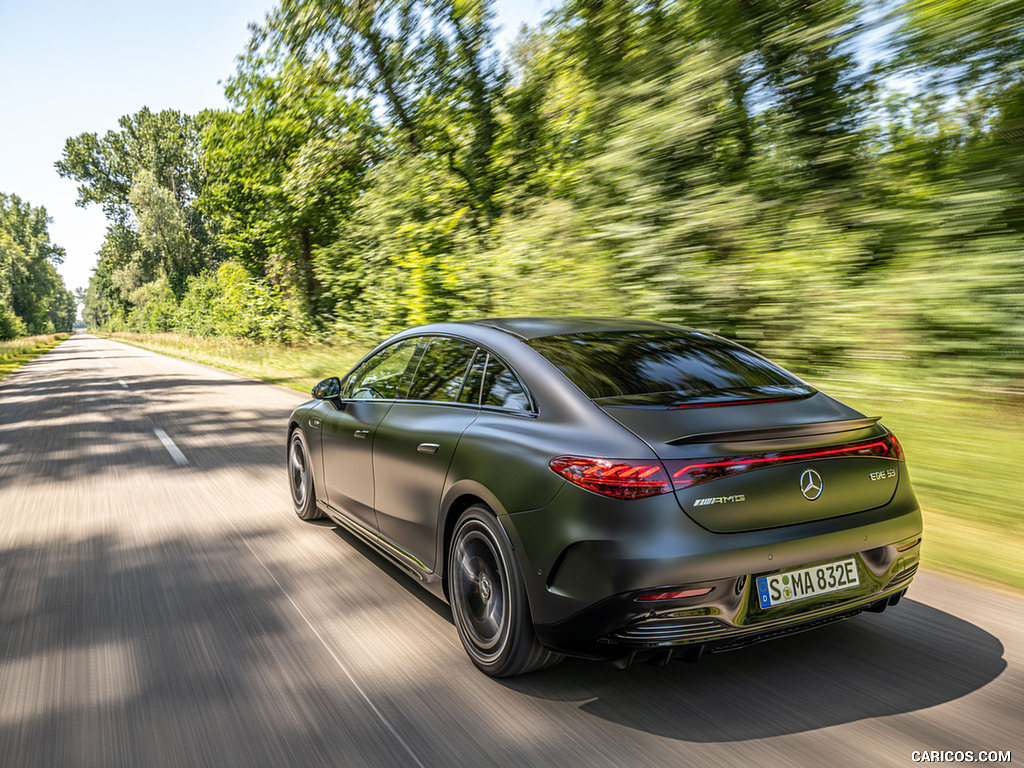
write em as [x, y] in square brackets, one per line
[964, 451]
[16, 352]
[297, 366]
[964, 448]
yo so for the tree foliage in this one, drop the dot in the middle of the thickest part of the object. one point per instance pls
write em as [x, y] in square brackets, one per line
[721, 163]
[33, 299]
[146, 177]
[283, 169]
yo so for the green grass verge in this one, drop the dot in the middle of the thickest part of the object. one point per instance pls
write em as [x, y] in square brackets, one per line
[16, 352]
[963, 447]
[297, 366]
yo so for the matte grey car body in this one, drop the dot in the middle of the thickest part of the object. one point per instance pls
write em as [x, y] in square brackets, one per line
[508, 465]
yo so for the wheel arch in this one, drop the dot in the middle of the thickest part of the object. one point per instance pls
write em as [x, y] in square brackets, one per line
[461, 497]
[520, 650]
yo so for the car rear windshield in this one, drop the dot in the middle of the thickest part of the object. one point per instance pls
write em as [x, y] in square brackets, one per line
[666, 368]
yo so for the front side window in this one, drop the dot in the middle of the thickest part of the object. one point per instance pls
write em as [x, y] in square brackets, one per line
[383, 375]
[441, 370]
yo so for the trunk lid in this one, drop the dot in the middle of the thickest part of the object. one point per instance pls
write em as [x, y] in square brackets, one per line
[763, 465]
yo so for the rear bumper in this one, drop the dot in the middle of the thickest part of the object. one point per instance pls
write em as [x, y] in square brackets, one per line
[586, 567]
[719, 624]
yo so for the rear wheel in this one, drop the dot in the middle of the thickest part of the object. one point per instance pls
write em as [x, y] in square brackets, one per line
[489, 600]
[300, 478]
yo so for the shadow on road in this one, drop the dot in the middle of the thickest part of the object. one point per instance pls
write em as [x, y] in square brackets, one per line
[95, 420]
[907, 659]
[400, 577]
[160, 655]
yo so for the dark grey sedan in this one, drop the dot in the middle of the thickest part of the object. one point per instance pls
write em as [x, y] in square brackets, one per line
[609, 489]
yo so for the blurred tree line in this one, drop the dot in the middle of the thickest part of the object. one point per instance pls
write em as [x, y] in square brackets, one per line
[33, 299]
[728, 164]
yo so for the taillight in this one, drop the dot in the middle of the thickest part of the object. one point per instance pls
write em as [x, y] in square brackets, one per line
[897, 449]
[686, 472]
[618, 478]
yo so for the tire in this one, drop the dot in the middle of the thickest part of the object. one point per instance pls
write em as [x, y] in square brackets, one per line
[300, 478]
[488, 599]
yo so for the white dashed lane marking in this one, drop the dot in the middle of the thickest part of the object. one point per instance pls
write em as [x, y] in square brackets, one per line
[176, 454]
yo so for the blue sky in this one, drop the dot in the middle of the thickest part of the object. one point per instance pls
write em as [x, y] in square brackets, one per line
[69, 67]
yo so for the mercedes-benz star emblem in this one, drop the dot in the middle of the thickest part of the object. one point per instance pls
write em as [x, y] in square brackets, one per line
[810, 484]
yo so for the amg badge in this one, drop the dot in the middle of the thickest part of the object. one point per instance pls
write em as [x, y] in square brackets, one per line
[719, 500]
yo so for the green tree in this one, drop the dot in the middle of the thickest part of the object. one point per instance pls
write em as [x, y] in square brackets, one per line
[973, 43]
[33, 298]
[360, 154]
[146, 177]
[228, 301]
[284, 167]
[797, 59]
[723, 163]
[431, 64]
[407, 251]
[166, 144]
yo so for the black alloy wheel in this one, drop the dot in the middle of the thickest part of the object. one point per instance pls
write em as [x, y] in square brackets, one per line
[488, 599]
[300, 479]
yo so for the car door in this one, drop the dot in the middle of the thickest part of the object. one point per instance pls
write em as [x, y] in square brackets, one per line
[348, 433]
[414, 445]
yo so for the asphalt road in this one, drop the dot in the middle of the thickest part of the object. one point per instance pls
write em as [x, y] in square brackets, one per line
[160, 605]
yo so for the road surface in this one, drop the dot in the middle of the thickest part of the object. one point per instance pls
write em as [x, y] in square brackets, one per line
[161, 605]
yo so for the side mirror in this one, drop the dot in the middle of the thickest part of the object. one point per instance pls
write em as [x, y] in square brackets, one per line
[329, 389]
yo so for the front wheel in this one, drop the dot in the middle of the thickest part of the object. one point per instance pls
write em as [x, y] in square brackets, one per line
[300, 478]
[489, 600]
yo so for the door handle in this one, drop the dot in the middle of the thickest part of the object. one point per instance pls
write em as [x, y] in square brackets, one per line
[361, 433]
[428, 447]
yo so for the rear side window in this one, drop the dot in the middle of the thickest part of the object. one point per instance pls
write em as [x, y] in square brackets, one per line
[490, 382]
[471, 389]
[441, 370]
[666, 368]
[501, 389]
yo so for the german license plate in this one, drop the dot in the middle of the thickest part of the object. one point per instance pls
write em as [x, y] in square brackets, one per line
[789, 586]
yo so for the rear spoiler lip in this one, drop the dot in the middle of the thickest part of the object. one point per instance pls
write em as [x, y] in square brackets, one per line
[767, 433]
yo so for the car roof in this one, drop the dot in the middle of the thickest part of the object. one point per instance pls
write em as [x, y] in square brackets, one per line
[538, 327]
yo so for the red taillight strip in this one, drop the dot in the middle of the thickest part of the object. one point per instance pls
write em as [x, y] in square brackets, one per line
[792, 457]
[886, 447]
[734, 402]
[637, 478]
